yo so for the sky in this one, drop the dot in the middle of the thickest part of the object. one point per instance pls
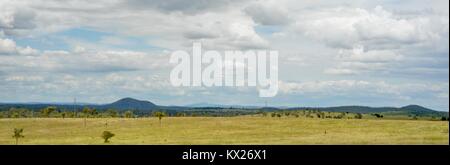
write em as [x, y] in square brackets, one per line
[331, 53]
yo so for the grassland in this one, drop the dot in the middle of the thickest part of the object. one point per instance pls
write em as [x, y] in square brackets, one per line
[225, 130]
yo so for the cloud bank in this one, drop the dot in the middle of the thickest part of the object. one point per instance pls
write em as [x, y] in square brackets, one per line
[378, 53]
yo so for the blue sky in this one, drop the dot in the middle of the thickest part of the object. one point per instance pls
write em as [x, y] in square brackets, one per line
[363, 52]
[61, 40]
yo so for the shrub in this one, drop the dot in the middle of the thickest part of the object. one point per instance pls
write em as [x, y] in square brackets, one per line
[106, 136]
[128, 114]
[47, 111]
[378, 115]
[180, 114]
[359, 116]
[264, 114]
[112, 113]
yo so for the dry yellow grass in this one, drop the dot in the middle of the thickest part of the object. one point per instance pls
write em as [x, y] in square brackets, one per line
[226, 130]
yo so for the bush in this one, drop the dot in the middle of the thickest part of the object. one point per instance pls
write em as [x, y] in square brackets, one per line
[106, 136]
[264, 114]
[359, 116]
[47, 111]
[112, 113]
[128, 114]
[180, 114]
[378, 115]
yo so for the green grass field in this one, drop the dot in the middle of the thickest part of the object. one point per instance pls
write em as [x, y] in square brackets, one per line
[225, 130]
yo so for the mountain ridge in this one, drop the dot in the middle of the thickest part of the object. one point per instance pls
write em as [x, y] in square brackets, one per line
[129, 103]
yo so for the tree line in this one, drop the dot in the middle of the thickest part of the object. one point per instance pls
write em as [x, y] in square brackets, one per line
[54, 112]
[88, 112]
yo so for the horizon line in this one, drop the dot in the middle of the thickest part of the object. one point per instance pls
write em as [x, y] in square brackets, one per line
[218, 105]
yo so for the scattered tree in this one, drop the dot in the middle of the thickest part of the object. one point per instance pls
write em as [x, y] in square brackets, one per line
[180, 114]
[264, 114]
[160, 115]
[358, 116]
[378, 115]
[112, 113]
[18, 134]
[93, 113]
[86, 111]
[63, 115]
[47, 111]
[128, 114]
[106, 136]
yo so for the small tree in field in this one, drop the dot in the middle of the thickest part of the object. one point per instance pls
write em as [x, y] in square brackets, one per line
[112, 112]
[18, 134]
[160, 115]
[47, 111]
[264, 114]
[273, 114]
[359, 116]
[128, 114]
[86, 111]
[106, 136]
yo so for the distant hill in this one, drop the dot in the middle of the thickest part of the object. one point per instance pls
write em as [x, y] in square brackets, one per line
[147, 106]
[360, 109]
[130, 104]
[421, 111]
[122, 104]
[200, 105]
[406, 110]
[209, 105]
[416, 108]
